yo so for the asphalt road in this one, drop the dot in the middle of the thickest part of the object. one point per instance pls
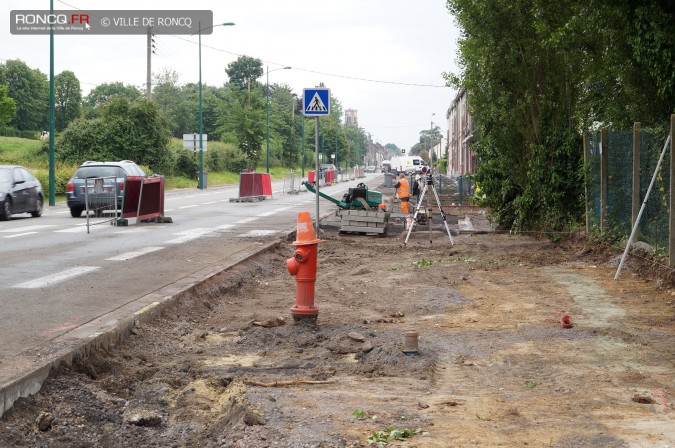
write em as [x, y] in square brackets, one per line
[55, 277]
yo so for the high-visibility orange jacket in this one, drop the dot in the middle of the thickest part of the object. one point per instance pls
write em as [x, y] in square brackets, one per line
[403, 188]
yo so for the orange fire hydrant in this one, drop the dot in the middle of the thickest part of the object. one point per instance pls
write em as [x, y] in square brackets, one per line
[302, 265]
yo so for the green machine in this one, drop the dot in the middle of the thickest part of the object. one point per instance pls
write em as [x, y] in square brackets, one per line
[358, 198]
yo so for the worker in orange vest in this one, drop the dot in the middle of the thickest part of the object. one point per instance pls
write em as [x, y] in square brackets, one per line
[403, 191]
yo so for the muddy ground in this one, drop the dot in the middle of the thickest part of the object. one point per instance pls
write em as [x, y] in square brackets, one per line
[227, 367]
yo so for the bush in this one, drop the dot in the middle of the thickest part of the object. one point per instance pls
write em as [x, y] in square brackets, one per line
[187, 164]
[12, 132]
[235, 160]
[216, 156]
[62, 176]
[443, 166]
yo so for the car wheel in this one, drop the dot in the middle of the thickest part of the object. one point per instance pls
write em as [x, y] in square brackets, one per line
[38, 207]
[76, 212]
[6, 210]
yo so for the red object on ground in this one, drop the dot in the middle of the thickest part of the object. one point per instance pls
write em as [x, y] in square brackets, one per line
[302, 265]
[330, 176]
[254, 184]
[143, 197]
[566, 321]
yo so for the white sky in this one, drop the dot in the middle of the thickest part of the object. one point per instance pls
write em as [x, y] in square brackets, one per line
[403, 41]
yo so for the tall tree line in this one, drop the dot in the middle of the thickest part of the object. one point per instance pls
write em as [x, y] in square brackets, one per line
[233, 113]
[538, 74]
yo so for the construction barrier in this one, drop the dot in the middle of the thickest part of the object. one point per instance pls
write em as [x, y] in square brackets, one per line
[329, 176]
[253, 184]
[143, 199]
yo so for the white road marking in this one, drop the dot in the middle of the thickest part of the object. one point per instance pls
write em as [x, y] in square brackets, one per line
[188, 206]
[19, 234]
[56, 278]
[209, 203]
[257, 233]
[81, 229]
[189, 235]
[246, 220]
[283, 209]
[134, 254]
[168, 210]
[225, 227]
[27, 228]
[134, 229]
[262, 215]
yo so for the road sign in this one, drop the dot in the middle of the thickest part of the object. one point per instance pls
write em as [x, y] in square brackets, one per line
[191, 141]
[402, 151]
[316, 102]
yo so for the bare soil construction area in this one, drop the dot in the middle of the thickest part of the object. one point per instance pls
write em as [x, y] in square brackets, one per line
[227, 366]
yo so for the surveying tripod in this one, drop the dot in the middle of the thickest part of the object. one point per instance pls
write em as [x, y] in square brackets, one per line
[428, 183]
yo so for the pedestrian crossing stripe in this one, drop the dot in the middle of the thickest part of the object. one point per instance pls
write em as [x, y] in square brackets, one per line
[316, 105]
[316, 102]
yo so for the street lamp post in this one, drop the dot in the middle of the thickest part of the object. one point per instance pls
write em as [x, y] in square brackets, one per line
[200, 184]
[267, 110]
[431, 138]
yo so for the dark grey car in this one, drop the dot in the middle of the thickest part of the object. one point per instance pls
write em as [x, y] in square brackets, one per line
[75, 189]
[20, 192]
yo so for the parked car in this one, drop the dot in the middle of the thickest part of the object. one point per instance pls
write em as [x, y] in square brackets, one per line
[371, 169]
[327, 166]
[112, 172]
[20, 192]
[386, 166]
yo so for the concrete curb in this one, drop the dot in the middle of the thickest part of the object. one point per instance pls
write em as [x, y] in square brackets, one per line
[26, 375]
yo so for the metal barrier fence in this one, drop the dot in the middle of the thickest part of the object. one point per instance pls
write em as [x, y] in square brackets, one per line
[292, 183]
[100, 198]
[617, 182]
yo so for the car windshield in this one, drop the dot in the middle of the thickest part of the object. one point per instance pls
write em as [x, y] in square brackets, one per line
[98, 171]
[5, 176]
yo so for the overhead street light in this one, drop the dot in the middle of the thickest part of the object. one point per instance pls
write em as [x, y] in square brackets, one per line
[431, 138]
[267, 110]
[200, 184]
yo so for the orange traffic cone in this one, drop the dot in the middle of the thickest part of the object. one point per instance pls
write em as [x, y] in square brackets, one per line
[304, 234]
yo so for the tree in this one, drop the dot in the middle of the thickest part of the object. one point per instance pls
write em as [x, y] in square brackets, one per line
[178, 104]
[67, 99]
[7, 106]
[243, 123]
[524, 83]
[103, 92]
[137, 131]
[29, 89]
[244, 71]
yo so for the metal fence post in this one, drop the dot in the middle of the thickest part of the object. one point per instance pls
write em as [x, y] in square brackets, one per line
[635, 206]
[671, 211]
[586, 146]
[604, 140]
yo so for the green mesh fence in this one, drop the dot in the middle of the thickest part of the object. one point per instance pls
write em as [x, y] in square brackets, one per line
[593, 180]
[620, 180]
[653, 227]
[654, 222]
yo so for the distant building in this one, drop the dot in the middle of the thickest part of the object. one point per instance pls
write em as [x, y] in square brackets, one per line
[462, 160]
[351, 118]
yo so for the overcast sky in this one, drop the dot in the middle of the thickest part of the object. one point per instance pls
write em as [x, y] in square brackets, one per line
[393, 42]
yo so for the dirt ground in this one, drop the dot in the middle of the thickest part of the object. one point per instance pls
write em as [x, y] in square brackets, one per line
[227, 367]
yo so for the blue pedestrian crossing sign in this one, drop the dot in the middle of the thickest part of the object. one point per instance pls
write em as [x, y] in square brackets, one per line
[316, 102]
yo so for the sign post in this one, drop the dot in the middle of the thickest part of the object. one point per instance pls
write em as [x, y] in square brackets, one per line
[316, 103]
